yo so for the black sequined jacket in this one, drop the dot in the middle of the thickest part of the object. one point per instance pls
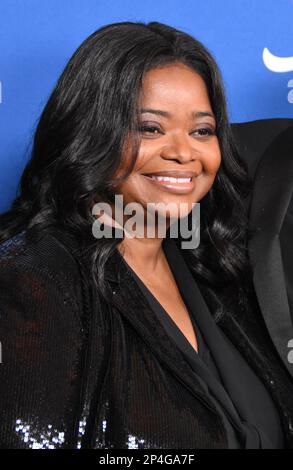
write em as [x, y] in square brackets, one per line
[77, 372]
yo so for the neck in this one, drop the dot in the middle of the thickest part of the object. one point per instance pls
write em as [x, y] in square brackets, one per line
[145, 254]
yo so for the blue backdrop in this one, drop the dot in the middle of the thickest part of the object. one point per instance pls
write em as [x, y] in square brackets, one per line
[252, 40]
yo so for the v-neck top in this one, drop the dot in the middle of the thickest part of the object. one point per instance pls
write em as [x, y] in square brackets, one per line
[246, 407]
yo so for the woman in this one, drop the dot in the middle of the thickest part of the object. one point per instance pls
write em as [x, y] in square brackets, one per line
[134, 342]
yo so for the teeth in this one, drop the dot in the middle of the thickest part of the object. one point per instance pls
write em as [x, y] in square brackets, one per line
[171, 179]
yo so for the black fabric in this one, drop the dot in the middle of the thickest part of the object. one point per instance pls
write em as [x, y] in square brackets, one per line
[234, 441]
[254, 137]
[269, 244]
[286, 243]
[252, 421]
[79, 372]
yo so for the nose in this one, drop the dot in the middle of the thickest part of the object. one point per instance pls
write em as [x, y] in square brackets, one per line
[181, 149]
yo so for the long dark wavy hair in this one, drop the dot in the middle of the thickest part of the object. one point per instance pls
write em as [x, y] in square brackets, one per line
[79, 140]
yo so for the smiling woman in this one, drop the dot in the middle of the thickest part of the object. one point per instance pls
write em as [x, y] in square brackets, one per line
[135, 342]
[179, 154]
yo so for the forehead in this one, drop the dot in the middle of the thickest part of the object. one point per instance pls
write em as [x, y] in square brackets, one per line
[173, 84]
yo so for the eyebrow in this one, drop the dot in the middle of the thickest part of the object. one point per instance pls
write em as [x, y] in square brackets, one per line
[159, 112]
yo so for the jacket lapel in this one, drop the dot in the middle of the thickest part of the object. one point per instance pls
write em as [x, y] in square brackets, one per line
[132, 304]
[272, 193]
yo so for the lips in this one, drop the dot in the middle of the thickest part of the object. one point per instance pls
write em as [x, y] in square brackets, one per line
[181, 182]
[170, 179]
[173, 174]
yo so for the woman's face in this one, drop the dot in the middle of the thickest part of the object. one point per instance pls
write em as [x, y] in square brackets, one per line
[179, 154]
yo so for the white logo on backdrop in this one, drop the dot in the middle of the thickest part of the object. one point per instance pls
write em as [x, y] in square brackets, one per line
[279, 65]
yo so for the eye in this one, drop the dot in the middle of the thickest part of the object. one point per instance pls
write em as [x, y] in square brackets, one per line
[150, 129]
[154, 130]
[205, 131]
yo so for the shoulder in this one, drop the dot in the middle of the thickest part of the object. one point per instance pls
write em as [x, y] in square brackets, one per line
[254, 137]
[38, 273]
[32, 250]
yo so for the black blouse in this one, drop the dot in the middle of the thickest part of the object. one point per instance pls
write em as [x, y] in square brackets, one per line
[250, 416]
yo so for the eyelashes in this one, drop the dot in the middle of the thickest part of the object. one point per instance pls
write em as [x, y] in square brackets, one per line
[208, 130]
[154, 130]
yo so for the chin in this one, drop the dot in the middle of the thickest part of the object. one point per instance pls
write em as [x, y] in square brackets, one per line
[170, 209]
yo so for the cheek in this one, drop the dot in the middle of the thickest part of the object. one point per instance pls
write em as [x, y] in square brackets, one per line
[132, 190]
[211, 165]
[212, 162]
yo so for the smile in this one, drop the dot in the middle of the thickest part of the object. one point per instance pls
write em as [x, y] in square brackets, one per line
[171, 179]
[175, 183]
